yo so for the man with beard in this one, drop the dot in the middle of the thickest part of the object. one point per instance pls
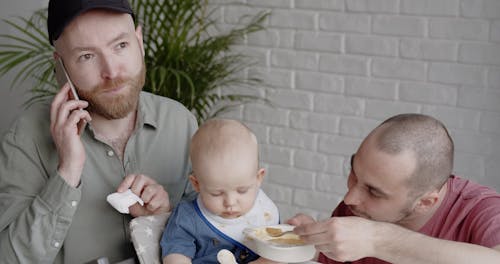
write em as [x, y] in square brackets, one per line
[60, 161]
[402, 205]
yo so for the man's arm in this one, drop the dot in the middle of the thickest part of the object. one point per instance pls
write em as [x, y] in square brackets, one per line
[38, 197]
[400, 245]
[36, 207]
[352, 238]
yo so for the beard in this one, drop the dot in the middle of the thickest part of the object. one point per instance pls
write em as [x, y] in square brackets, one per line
[117, 106]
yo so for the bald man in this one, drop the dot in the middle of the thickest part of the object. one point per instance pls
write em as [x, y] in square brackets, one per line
[404, 206]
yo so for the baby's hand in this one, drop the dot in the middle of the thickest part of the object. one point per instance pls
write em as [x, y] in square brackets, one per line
[264, 261]
[226, 257]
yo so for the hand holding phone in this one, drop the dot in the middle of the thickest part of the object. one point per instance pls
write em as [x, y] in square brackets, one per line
[62, 78]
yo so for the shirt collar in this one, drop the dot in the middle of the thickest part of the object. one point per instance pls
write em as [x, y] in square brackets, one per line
[146, 112]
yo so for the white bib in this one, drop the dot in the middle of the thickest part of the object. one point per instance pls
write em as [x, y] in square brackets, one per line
[264, 212]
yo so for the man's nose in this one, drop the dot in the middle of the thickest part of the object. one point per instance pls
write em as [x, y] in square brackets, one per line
[109, 68]
[353, 196]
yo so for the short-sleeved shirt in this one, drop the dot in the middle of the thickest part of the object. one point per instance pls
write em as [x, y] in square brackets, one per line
[44, 220]
[469, 213]
[195, 233]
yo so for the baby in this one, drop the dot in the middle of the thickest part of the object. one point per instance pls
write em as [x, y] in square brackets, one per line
[227, 178]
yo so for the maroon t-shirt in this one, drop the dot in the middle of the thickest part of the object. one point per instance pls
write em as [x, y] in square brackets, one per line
[469, 213]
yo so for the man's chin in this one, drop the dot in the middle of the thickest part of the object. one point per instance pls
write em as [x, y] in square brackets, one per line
[111, 112]
[115, 108]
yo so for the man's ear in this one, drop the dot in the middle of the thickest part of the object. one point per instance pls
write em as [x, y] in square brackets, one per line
[427, 201]
[138, 33]
[260, 175]
[194, 182]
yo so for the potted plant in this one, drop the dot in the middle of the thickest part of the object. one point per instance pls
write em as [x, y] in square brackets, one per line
[184, 61]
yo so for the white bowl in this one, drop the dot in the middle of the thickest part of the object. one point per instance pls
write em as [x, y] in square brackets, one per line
[258, 241]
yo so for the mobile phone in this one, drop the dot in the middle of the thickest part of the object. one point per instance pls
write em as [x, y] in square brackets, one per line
[62, 77]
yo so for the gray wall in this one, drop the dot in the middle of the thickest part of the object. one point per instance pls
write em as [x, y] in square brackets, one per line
[335, 68]
[12, 98]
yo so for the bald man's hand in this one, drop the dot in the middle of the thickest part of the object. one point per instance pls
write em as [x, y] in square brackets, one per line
[339, 238]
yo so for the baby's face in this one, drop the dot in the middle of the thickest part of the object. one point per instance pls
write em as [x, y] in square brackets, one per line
[229, 193]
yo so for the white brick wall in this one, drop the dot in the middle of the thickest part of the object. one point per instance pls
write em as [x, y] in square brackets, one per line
[334, 69]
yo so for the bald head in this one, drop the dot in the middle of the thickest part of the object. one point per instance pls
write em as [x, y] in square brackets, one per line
[223, 142]
[428, 140]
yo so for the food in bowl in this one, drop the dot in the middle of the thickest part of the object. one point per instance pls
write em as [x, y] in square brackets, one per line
[287, 247]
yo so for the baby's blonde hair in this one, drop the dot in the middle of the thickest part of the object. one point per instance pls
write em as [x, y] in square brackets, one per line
[222, 139]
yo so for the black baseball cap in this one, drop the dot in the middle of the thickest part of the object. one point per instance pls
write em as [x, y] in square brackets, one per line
[61, 12]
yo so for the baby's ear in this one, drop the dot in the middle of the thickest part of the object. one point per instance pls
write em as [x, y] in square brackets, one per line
[194, 182]
[260, 175]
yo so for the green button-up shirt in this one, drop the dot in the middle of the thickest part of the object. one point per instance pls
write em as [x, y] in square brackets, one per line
[44, 220]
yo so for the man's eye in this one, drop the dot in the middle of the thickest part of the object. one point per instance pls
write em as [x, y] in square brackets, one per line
[85, 57]
[122, 45]
[374, 193]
